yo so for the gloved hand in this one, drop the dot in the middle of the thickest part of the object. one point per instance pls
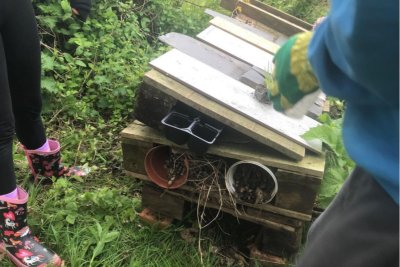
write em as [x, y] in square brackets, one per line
[293, 77]
[82, 7]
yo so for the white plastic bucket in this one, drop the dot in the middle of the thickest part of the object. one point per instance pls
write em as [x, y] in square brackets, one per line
[229, 178]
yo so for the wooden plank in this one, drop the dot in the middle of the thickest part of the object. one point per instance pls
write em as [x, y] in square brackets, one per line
[310, 165]
[133, 155]
[207, 54]
[231, 5]
[237, 48]
[274, 21]
[279, 38]
[224, 115]
[262, 221]
[296, 192]
[234, 95]
[165, 204]
[245, 35]
[265, 207]
[251, 25]
[283, 15]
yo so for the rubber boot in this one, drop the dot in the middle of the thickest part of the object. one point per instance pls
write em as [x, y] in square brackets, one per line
[48, 164]
[17, 241]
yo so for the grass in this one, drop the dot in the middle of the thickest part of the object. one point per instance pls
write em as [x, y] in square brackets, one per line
[93, 221]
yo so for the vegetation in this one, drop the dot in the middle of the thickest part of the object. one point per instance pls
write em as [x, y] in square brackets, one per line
[90, 72]
[338, 163]
[308, 10]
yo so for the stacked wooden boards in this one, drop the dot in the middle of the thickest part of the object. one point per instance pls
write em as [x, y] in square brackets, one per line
[206, 75]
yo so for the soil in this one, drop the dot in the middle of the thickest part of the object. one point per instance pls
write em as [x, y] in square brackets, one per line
[252, 184]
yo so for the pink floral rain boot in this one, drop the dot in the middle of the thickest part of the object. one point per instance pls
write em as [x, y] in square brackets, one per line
[48, 164]
[16, 239]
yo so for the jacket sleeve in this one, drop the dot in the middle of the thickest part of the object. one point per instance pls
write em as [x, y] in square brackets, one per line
[355, 51]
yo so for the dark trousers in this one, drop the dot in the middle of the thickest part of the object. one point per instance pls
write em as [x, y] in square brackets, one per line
[359, 229]
[20, 95]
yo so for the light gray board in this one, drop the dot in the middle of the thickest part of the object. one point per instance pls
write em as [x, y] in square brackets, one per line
[207, 54]
[237, 47]
[268, 34]
[253, 79]
[233, 94]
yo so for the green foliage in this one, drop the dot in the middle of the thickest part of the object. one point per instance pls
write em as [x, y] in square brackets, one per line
[308, 10]
[90, 70]
[338, 164]
[187, 17]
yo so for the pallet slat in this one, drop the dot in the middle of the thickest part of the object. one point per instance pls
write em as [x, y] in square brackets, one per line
[237, 48]
[274, 21]
[245, 35]
[231, 5]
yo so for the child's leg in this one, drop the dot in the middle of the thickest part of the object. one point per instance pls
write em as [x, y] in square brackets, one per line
[7, 175]
[22, 50]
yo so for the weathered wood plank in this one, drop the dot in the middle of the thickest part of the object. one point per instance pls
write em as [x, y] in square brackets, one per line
[296, 192]
[187, 190]
[207, 54]
[165, 204]
[236, 96]
[252, 26]
[133, 153]
[231, 5]
[237, 48]
[272, 20]
[310, 165]
[245, 35]
[224, 115]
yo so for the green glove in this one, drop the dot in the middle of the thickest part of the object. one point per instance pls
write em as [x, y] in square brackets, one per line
[293, 77]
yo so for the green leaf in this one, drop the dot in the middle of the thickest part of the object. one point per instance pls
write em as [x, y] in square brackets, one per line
[80, 63]
[65, 6]
[49, 85]
[111, 236]
[98, 249]
[71, 218]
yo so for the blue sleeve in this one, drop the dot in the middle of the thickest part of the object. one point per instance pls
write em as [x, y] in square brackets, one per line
[355, 51]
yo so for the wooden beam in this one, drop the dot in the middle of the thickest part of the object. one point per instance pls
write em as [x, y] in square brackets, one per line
[231, 5]
[274, 21]
[224, 115]
[283, 15]
[245, 35]
[311, 165]
[165, 204]
[251, 25]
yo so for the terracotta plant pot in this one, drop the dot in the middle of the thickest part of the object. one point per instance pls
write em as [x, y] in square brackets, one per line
[157, 171]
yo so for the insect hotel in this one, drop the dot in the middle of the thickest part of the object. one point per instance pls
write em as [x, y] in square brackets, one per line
[205, 135]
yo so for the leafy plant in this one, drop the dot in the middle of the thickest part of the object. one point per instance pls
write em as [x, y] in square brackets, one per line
[338, 163]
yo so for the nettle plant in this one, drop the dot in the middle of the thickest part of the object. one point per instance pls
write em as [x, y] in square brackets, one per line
[338, 163]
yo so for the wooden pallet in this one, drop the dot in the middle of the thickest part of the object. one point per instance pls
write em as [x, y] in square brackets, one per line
[298, 181]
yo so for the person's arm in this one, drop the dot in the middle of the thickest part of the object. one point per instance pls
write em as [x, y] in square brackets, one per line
[355, 51]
